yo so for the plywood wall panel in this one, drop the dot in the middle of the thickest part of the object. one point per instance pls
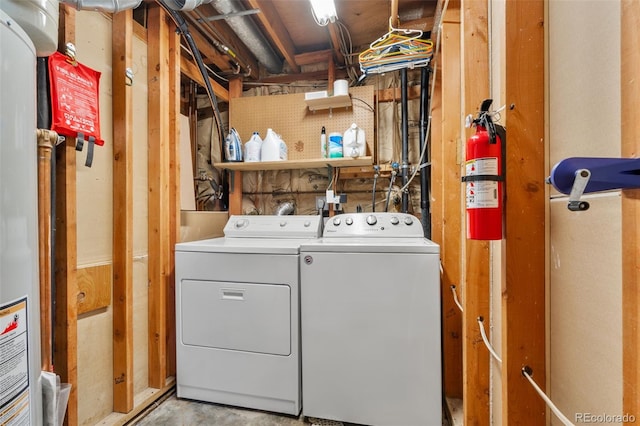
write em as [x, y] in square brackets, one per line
[140, 325]
[585, 304]
[95, 367]
[585, 296]
[94, 184]
[140, 178]
[584, 79]
[94, 226]
[140, 210]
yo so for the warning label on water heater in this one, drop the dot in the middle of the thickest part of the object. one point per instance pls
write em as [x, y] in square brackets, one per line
[482, 194]
[14, 364]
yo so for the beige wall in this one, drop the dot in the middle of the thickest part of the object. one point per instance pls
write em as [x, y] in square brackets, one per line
[94, 206]
[498, 89]
[95, 224]
[585, 296]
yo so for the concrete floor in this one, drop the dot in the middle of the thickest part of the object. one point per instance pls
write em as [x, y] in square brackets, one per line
[181, 412]
[184, 412]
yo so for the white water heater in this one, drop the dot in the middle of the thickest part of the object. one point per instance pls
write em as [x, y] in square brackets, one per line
[20, 393]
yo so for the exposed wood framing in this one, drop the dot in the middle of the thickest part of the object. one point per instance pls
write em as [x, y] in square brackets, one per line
[144, 401]
[312, 75]
[277, 31]
[331, 74]
[158, 29]
[190, 69]
[335, 42]
[220, 32]
[208, 51]
[630, 92]
[65, 349]
[523, 302]
[122, 213]
[235, 177]
[140, 31]
[450, 203]
[46, 141]
[313, 57]
[475, 292]
[174, 192]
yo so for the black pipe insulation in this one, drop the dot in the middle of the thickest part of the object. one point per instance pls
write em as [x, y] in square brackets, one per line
[425, 171]
[405, 139]
[184, 30]
[42, 95]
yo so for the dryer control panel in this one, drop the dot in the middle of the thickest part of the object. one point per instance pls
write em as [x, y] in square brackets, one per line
[379, 225]
[253, 226]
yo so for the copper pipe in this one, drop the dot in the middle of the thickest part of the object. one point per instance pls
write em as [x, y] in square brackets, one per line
[46, 141]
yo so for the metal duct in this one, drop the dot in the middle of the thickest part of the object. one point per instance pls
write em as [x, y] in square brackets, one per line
[112, 6]
[185, 5]
[286, 208]
[250, 35]
[115, 6]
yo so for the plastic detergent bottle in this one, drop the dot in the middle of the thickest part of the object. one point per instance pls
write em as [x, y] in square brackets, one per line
[270, 150]
[252, 148]
[233, 146]
[353, 142]
[335, 145]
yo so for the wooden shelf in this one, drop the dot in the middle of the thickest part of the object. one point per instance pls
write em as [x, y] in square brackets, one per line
[328, 102]
[297, 164]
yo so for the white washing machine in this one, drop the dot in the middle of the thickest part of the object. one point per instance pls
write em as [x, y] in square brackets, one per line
[370, 304]
[237, 313]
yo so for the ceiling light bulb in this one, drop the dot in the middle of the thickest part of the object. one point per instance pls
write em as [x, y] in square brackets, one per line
[324, 11]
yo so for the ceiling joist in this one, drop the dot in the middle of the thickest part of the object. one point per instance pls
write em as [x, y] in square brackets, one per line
[277, 31]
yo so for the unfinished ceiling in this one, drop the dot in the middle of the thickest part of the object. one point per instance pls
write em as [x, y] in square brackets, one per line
[269, 39]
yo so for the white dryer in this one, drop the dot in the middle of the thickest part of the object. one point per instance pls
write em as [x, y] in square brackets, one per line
[237, 313]
[370, 304]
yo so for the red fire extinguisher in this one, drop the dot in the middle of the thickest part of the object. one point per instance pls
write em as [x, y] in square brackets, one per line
[484, 177]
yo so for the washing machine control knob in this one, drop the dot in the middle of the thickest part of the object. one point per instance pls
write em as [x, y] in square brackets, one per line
[394, 220]
[408, 220]
[336, 221]
[348, 221]
[372, 220]
[241, 223]
[283, 224]
[307, 224]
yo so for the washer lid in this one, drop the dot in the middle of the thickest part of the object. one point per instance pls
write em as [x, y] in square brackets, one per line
[372, 245]
[244, 245]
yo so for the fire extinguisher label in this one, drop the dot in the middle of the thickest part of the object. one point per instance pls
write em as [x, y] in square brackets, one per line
[483, 193]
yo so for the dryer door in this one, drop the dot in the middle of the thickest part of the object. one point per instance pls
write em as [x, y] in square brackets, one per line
[249, 317]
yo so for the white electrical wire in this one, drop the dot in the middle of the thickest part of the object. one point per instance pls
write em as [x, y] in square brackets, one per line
[455, 298]
[486, 341]
[546, 399]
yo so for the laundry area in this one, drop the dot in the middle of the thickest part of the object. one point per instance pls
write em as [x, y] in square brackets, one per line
[319, 212]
